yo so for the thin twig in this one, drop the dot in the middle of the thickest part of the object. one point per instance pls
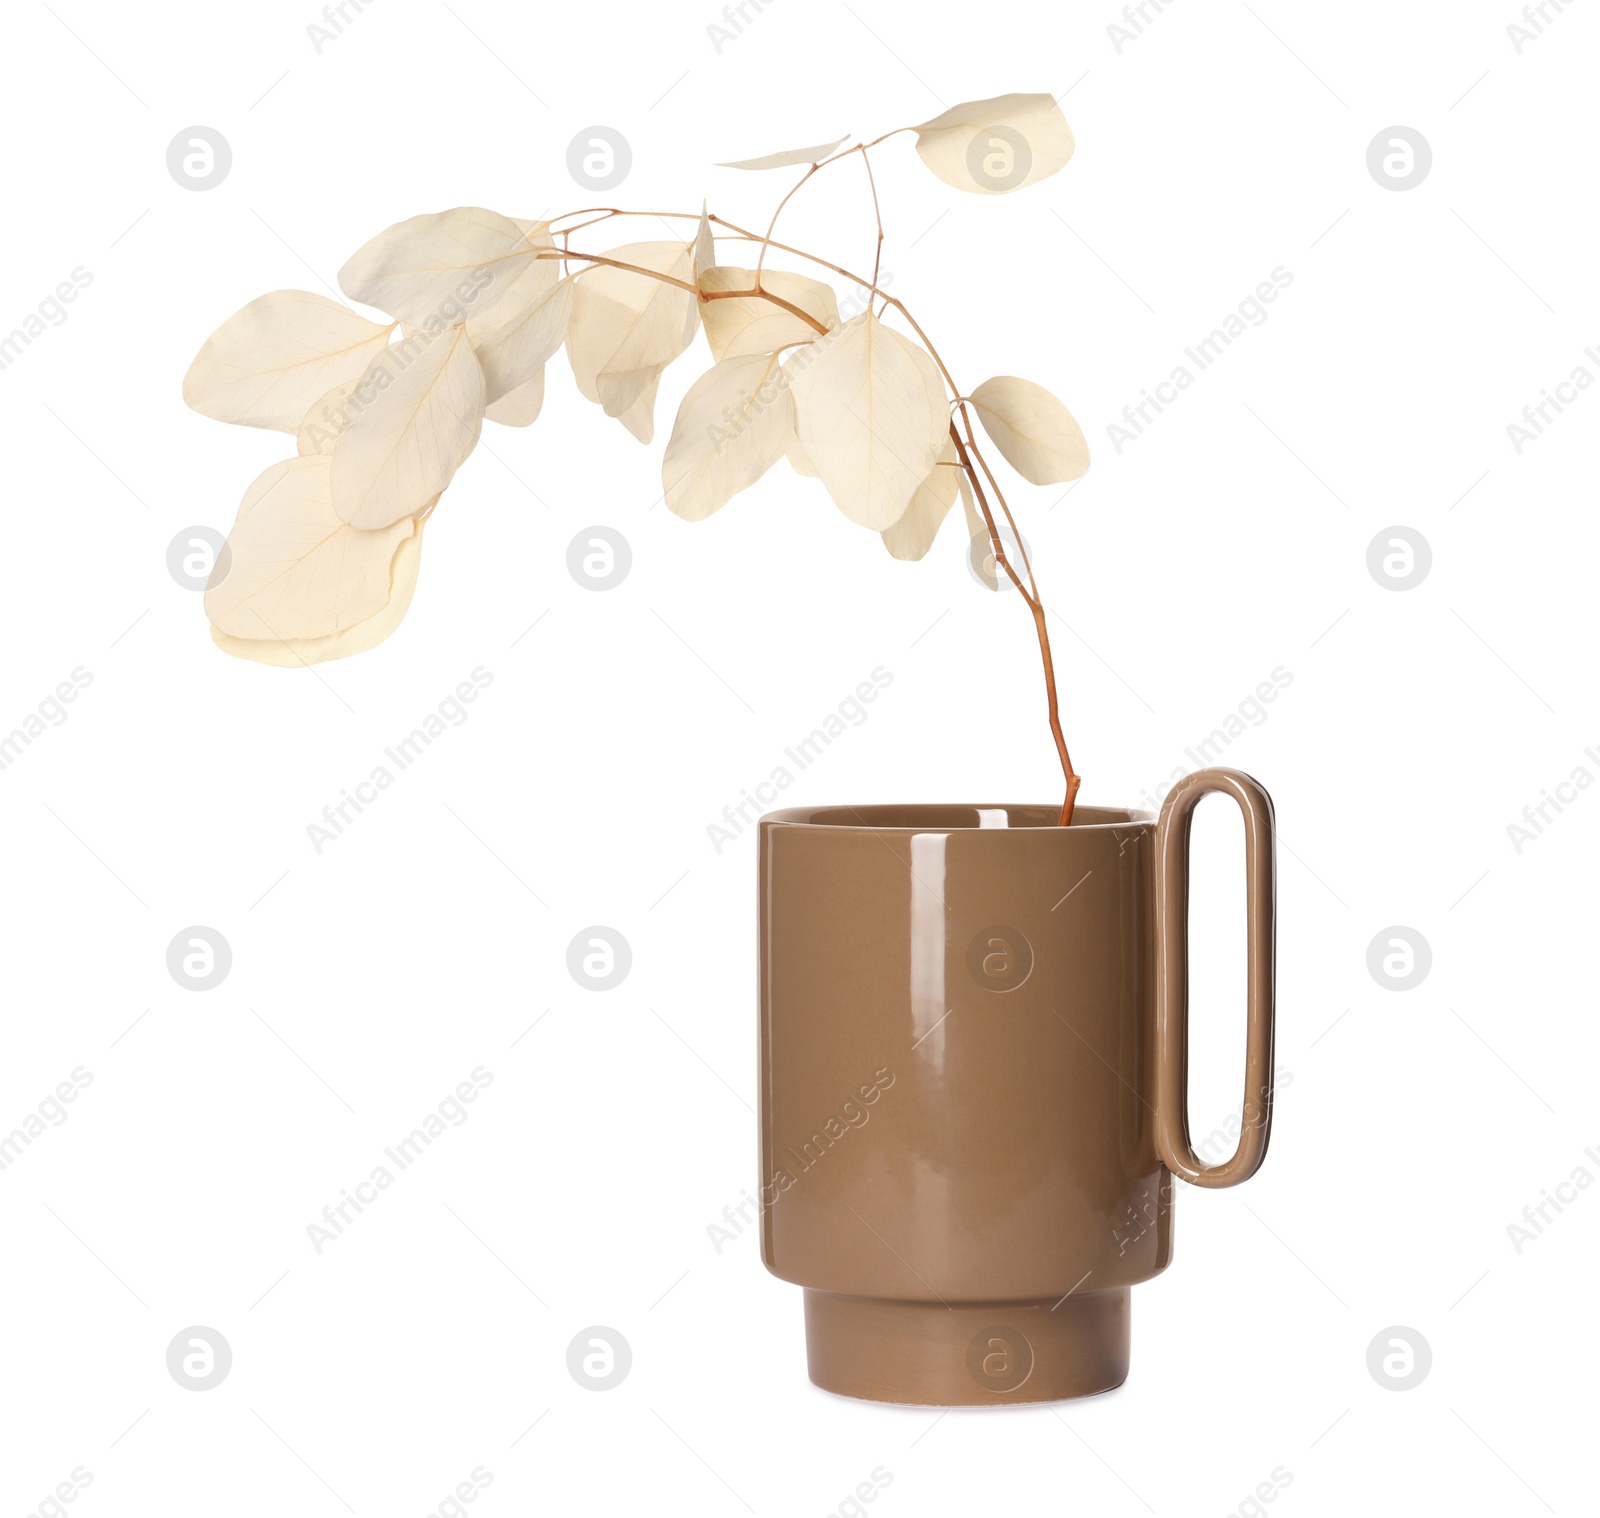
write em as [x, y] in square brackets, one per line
[877, 256]
[969, 454]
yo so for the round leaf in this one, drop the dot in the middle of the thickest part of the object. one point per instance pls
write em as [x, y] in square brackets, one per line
[296, 653]
[1034, 432]
[912, 536]
[872, 417]
[440, 266]
[294, 569]
[991, 147]
[731, 429]
[419, 423]
[519, 407]
[270, 361]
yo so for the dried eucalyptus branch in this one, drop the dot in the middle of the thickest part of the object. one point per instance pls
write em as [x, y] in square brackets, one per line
[322, 560]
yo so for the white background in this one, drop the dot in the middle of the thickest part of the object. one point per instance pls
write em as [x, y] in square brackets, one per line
[430, 938]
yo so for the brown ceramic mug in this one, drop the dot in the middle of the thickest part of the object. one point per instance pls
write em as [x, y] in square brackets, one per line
[973, 1083]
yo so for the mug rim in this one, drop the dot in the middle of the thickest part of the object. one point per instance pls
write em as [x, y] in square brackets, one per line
[939, 817]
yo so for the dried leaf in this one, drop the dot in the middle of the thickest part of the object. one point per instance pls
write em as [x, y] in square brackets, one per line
[796, 456]
[789, 159]
[439, 266]
[912, 536]
[625, 323]
[990, 147]
[514, 289]
[270, 362]
[731, 429]
[640, 417]
[705, 245]
[621, 390]
[519, 407]
[988, 570]
[324, 422]
[748, 324]
[791, 447]
[1032, 429]
[295, 653]
[537, 275]
[294, 569]
[515, 351]
[871, 414]
[421, 422]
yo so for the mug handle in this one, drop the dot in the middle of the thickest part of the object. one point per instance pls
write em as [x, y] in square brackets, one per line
[1172, 977]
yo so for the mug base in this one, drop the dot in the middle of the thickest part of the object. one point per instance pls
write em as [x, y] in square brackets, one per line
[967, 1354]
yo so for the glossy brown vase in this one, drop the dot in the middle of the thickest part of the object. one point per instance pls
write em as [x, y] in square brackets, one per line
[973, 1030]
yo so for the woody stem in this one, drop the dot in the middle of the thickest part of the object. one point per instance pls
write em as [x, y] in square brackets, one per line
[1035, 607]
[967, 451]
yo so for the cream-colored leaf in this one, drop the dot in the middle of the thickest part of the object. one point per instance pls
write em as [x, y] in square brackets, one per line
[871, 414]
[705, 245]
[321, 425]
[439, 266]
[511, 295]
[640, 417]
[977, 536]
[518, 349]
[792, 450]
[519, 407]
[270, 362]
[293, 569]
[990, 147]
[324, 424]
[1032, 429]
[789, 158]
[731, 429]
[511, 291]
[796, 456]
[624, 321]
[749, 324]
[297, 653]
[912, 536]
[524, 281]
[620, 390]
[407, 444]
